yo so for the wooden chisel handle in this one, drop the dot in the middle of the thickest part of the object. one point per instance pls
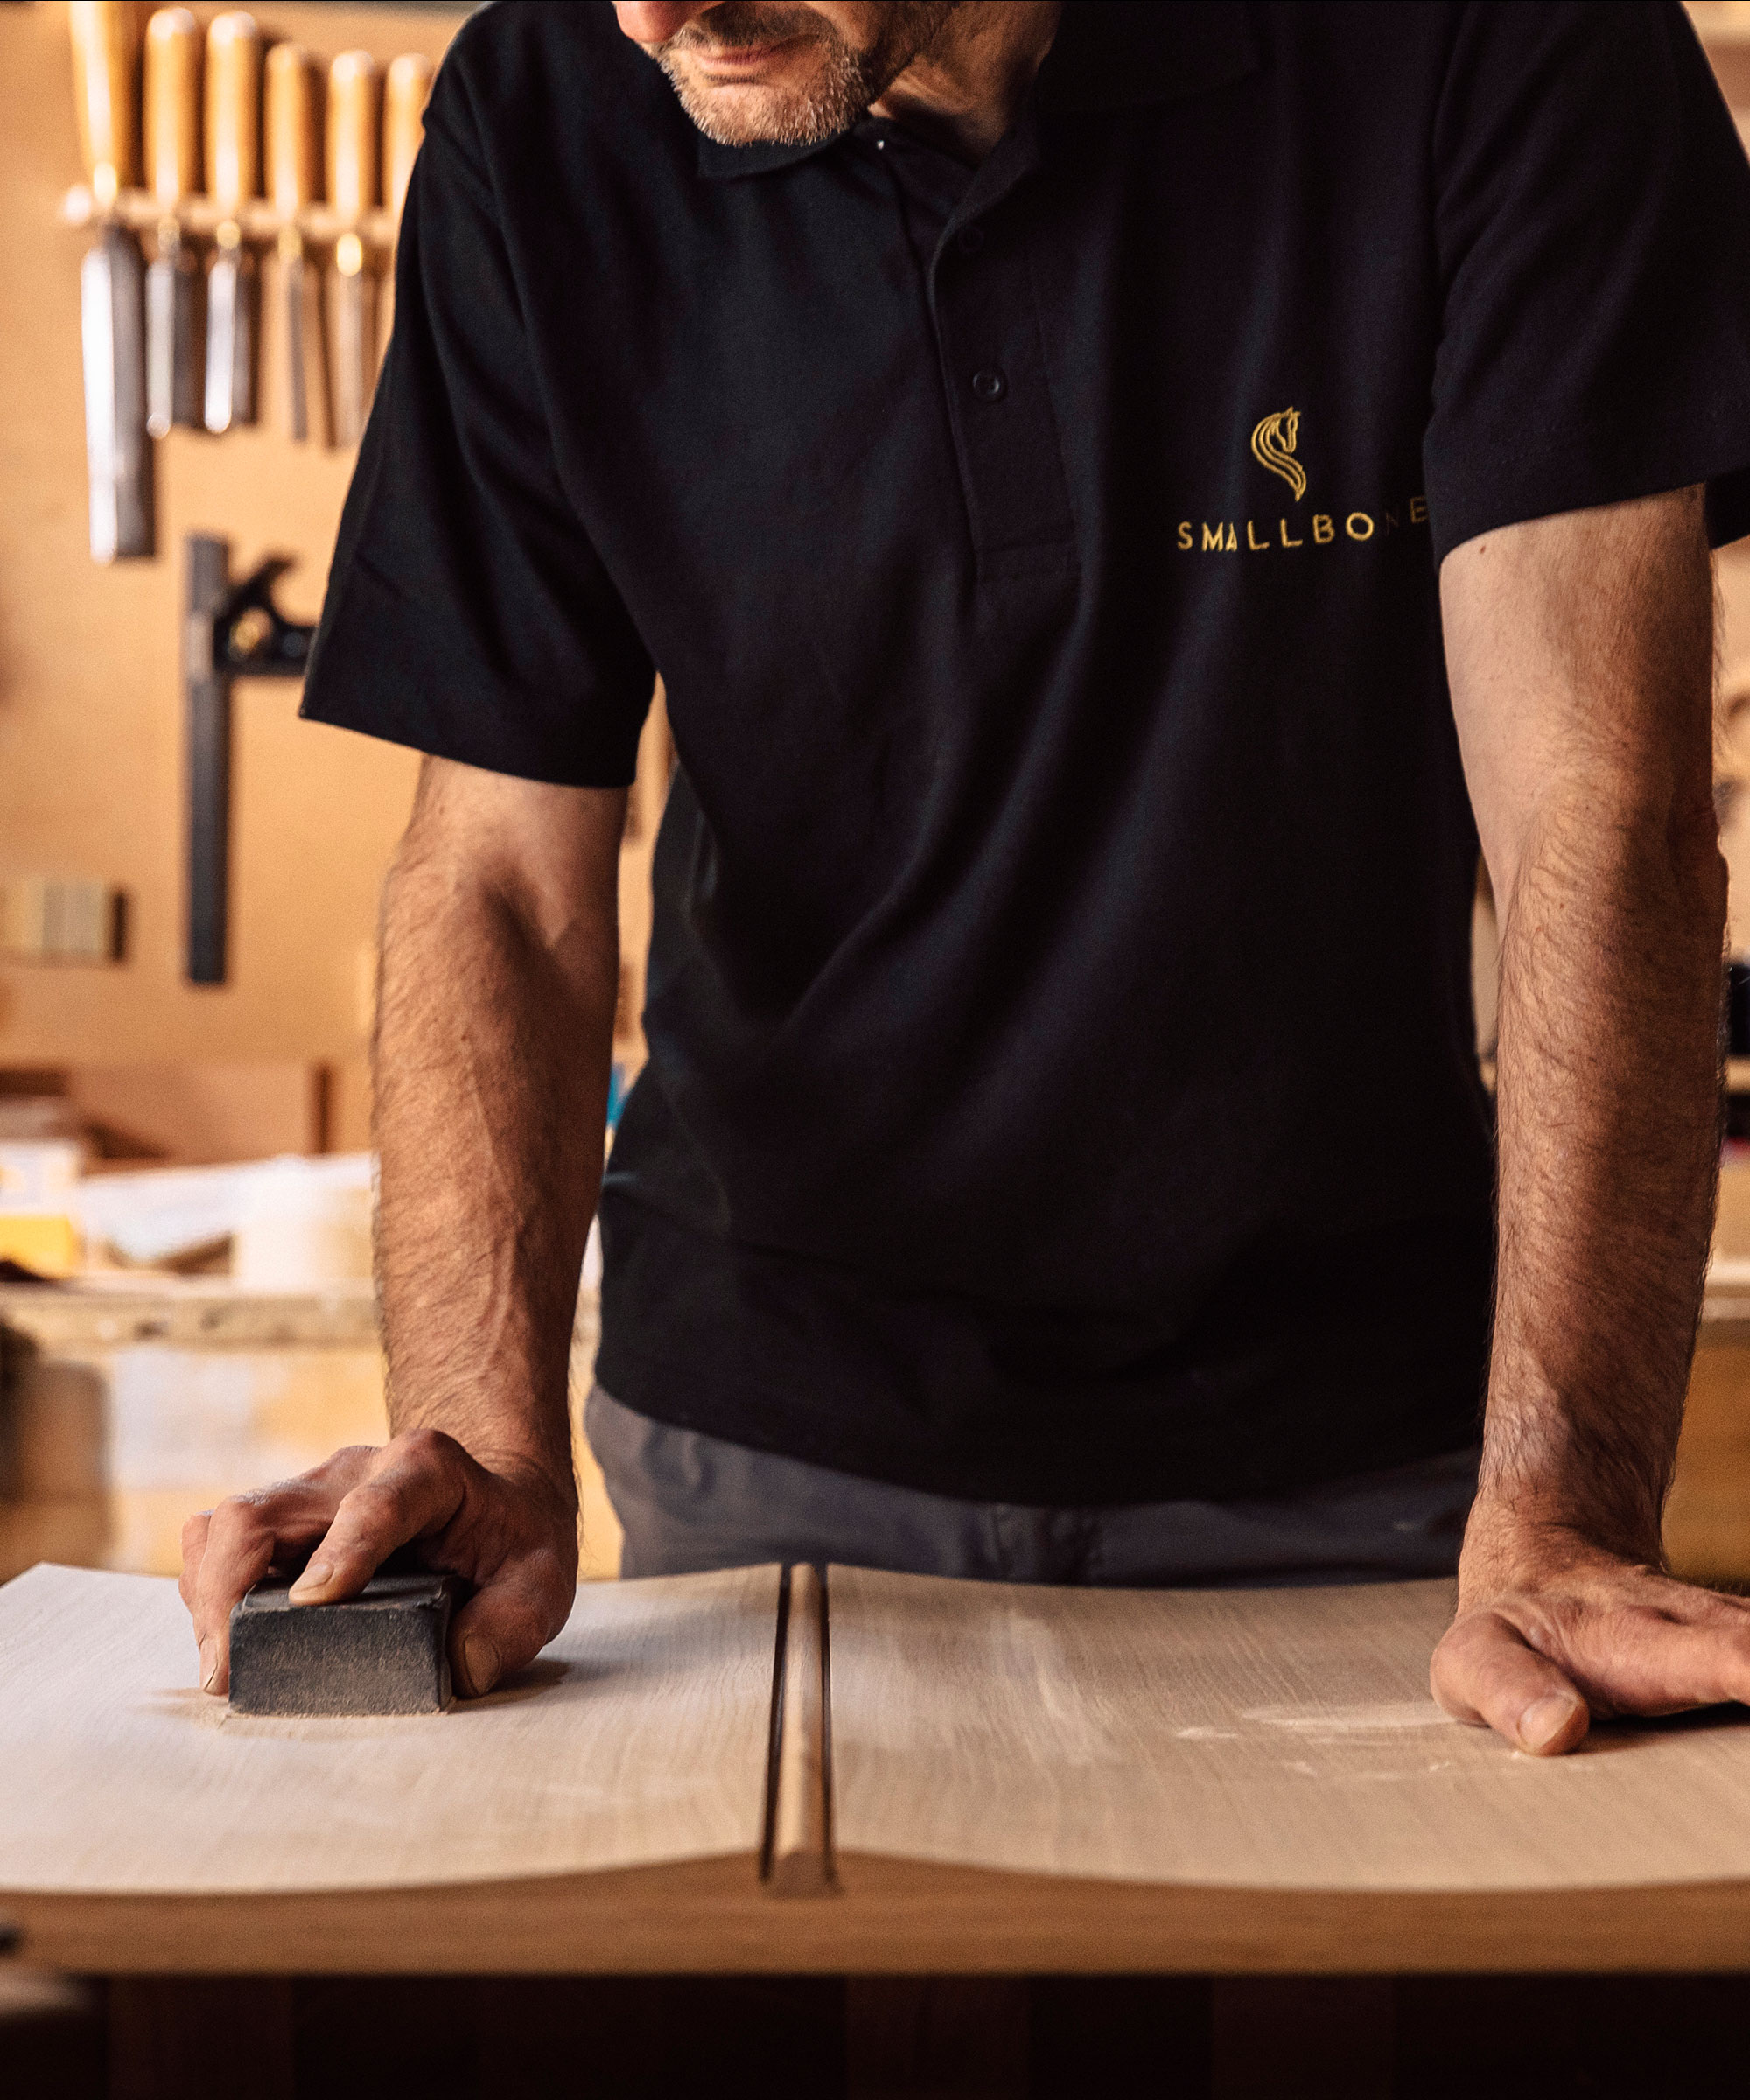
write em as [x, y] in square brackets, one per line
[111, 285]
[173, 105]
[105, 48]
[234, 170]
[352, 192]
[406, 90]
[233, 107]
[353, 133]
[294, 143]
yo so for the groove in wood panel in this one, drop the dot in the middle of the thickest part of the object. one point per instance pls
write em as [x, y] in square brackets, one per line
[798, 1853]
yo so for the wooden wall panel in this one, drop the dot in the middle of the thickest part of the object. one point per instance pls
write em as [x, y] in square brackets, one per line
[90, 709]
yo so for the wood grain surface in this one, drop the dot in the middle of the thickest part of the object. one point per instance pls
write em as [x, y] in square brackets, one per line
[639, 1737]
[1024, 1781]
[1279, 1740]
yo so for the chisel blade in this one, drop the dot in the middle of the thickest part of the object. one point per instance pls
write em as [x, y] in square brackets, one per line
[244, 346]
[173, 374]
[230, 341]
[297, 401]
[111, 288]
[221, 309]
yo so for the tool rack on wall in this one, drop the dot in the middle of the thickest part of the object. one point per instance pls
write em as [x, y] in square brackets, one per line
[203, 139]
[268, 190]
[260, 222]
[265, 186]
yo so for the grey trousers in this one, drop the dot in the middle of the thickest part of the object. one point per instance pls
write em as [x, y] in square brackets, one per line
[689, 1501]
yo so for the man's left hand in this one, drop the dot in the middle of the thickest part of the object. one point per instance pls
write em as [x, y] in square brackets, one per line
[1553, 1633]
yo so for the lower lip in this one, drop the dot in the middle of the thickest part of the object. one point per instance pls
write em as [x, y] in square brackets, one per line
[744, 61]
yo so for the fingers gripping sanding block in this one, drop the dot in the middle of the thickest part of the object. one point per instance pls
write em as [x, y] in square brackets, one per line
[383, 1651]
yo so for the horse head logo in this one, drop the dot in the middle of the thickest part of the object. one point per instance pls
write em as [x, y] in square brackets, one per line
[1273, 444]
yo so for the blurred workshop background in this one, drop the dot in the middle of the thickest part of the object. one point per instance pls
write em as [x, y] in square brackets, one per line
[189, 875]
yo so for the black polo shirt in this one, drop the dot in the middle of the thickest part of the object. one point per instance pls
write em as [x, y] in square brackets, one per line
[1061, 1081]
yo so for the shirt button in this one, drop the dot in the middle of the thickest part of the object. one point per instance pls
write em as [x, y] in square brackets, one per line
[970, 240]
[990, 385]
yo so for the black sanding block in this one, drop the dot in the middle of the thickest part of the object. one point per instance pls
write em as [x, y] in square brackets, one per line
[383, 1651]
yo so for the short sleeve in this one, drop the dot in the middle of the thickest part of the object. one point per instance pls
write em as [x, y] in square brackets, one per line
[1592, 236]
[468, 612]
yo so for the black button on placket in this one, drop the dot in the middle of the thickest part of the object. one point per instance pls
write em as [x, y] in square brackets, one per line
[987, 323]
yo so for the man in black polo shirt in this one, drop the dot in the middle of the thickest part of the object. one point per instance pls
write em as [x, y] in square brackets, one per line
[1119, 496]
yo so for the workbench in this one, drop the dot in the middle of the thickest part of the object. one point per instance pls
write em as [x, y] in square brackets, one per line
[950, 1957]
[866, 1775]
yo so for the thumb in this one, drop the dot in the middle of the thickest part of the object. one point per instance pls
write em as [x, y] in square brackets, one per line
[1485, 1671]
[500, 1630]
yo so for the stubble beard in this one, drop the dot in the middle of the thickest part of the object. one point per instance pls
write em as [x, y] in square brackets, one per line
[830, 100]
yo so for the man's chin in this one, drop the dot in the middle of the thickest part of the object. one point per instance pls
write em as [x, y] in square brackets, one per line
[799, 111]
[755, 115]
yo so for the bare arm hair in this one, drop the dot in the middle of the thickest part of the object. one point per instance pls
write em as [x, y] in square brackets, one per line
[494, 1040]
[1581, 656]
[494, 1031]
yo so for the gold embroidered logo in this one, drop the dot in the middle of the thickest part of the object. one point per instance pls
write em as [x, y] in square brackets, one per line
[1273, 444]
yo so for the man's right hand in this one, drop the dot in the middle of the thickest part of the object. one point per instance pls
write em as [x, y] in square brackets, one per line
[512, 1533]
[494, 1039]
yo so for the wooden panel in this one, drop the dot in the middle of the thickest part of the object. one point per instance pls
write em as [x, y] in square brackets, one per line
[1266, 1739]
[643, 816]
[118, 1311]
[1267, 1756]
[712, 1917]
[124, 1409]
[639, 1737]
[994, 1724]
[598, 1532]
[1707, 1519]
[200, 1113]
[91, 737]
[91, 730]
[1732, 1217]
[126, 1404]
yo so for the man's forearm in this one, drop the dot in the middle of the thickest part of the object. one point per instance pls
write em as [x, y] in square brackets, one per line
[494, 1030]
[1581, 653]
[491, 1058]
[1609, 1120]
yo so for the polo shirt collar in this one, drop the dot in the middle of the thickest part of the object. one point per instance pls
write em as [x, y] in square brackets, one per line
[1107, 54]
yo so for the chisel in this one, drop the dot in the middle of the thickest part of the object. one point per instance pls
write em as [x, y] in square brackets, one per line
[112, 286]
[407, 89]
[293, 147]
[352, 192]
[172, 108]
[233, 95]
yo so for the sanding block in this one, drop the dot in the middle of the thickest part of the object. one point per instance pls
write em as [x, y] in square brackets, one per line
[384, 1651]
